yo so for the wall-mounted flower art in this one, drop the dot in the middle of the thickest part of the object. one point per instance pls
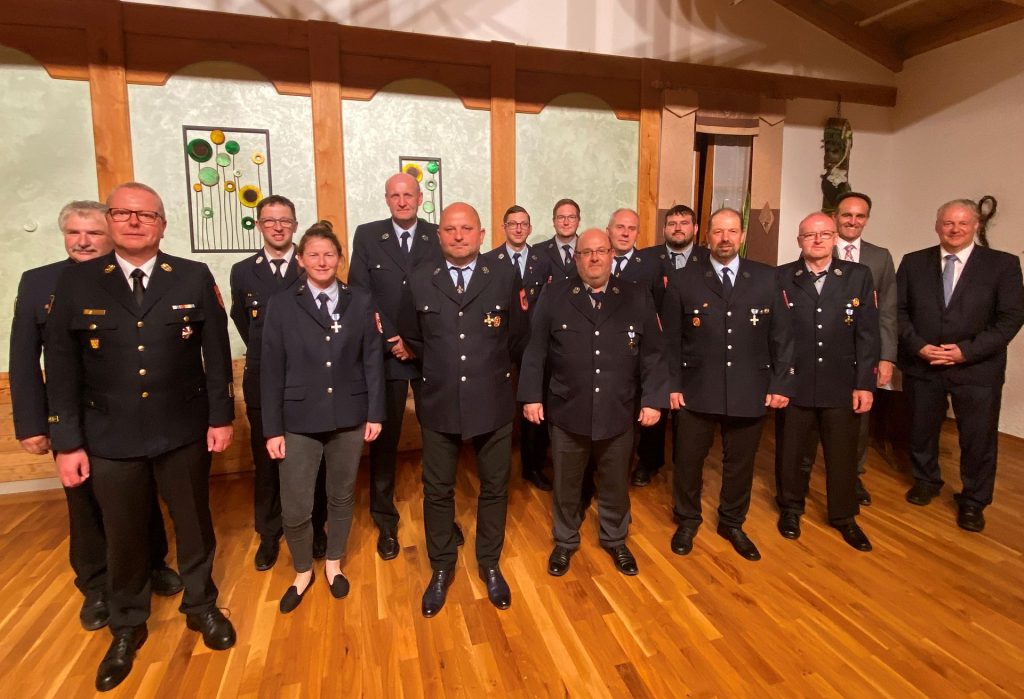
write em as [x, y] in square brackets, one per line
[227, 171]
[427, 172]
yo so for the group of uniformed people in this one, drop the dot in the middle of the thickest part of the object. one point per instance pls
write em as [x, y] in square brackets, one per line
[600, 344]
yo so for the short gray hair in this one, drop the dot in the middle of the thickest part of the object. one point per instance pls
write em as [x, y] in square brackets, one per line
[968, 204]
[139, 186]
[80, 207]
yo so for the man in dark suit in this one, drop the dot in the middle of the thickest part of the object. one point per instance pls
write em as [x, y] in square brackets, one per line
[468, 328]
[139, 387]
[835, 329]
[960, 305]
[384, 254]
[559, 250]
[253, 281]
[84, 226]
[532, 273]
[730, 349]
[593, 337]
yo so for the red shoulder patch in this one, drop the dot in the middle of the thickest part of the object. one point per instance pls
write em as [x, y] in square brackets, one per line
[523, 303]
[220, 299]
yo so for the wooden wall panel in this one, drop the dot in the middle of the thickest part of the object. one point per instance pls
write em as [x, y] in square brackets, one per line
[534, 90]
[111, 123]
[60, 50]
[649, 154]
[676, 174]
[363, 76]
[503, 136]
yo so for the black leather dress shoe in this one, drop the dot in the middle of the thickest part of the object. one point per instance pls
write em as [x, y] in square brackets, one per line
[339, 586]
[970, 518]
[497, 588]
[642, 476]
[266, 554]
[863, 496]
[165, 582]
[319, 545]
[117, 663]
[921, 493]
[789, 525]
[855, 537]
[437, 592]
[682, 540]
[623, 558]
[387, 544]
[539, 480]
[292, 597]
[460, 538]
[558, 561]
[94, 613]
[218, 633]
[739, 540]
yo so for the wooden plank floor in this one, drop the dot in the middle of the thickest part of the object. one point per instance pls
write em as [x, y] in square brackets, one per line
[932, 612]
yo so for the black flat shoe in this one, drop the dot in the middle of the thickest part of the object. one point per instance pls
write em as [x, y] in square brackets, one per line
[339, 586]
[293, 598]
[682, 540]
[642, 476]
[740, 542]
[319, 545]
[387, 544]
[863, 496]
[789, 525]
[165, 582]
[623, 558]
[497, 588]
[94, 613]
[855, 537]
[539, 481]
[970, 518]
[218, 633]
[460, 538]
[266, 554]
[921, 493]
[117, 663]
[558, 561]
[437, 592]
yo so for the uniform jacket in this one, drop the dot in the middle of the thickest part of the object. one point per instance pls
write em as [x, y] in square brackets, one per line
[31, 308]
[883, 272]
[726, 355]
[253, 282]
[537, 270]
[983, 315]
[555, 257]
[318, 376]
[467, 344]
[666, 269]
[129, 382]
[835, 334]
[379, 266]
[593, 358]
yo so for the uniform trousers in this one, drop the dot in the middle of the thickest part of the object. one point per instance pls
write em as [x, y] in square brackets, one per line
[267, 484]
[839, 430]
[650, 450]
[694, 435]
[440, 461]
[125, 490]
[384, 454]
[303, 454]
[571, 454]
[976, 409]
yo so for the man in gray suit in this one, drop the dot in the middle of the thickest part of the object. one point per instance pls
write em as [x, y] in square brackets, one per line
[851, 216]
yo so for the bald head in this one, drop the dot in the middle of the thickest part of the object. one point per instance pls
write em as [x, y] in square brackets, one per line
[460, 233]
[593, 257]
[623, 228]
[403, 196]
[816, 238]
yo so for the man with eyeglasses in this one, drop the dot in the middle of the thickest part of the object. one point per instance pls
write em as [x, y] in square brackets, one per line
[834, 314]
[590, 339]
[253, 281]
[560, 249]
[139, 385]
[84, 227]
[532, 271]
[730, 350]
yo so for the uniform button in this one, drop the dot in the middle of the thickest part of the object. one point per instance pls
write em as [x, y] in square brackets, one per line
[597, 371]
[508, 374]
[185, 319]
[145, 394]
[597, 389]
[728, 363]
[460, 314]
[463, 357]
[92, 326]
[597, 351]
[728, 347]
[819, 310]
[426, 308]
[462, 378]
[462, 336]
[729, 330]
[327, 337]
[597, 332]
[330, 389]
[564, 326]
[328, 363]
[820, 359]
[142, 347]
[403, 282]
[140, 324]
[819, 326]
[819, 344]
[142, 372]
[729, 313]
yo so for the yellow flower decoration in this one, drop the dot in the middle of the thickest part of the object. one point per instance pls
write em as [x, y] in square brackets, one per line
[250, 195]
[258, 158]
[229, 186]
[197, 187]
[217, 136]
[414, 170]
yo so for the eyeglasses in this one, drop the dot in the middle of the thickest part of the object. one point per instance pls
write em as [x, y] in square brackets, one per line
[122, 215]
[283, 222]
[828, 235]
[600, 252]
[567, 219]
[517, 226]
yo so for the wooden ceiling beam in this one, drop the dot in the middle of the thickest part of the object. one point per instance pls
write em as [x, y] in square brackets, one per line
[867, 42]
[965, 25]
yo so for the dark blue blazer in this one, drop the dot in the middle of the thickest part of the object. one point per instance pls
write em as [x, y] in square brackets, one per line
[549, 251]
[537, 270]
[665, 269]
[317, 376]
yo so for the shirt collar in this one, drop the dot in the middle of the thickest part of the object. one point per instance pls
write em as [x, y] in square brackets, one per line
[960, 256]
[571, 243]
[331, 291]
[602, 288]
[685, 251]
[466, 268]
[287, 257]
[628, 254]
[734, 266]
[399, 230]
[512, 252]
[127, 267]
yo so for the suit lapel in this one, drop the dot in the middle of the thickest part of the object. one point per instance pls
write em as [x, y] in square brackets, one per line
[390, 245]
[803, 281]
[611, 302]
[443, 281]
[711, 279]
[308, 304]
[116, 285]
[344, 299]
[480, 279]
[162, 280]
[971, 269]
[581, 300]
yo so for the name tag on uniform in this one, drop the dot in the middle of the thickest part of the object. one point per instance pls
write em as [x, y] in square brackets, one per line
[94, 311]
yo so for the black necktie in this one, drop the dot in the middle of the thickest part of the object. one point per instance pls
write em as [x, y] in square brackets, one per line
[460, 281]
[277, 270]
[815, 278]
[598, 296]
[568, 255]
[405, 242]
[515, 261]
[675, 257]
[325, 313]
[138, 290]
[620, 261]
[726, 282]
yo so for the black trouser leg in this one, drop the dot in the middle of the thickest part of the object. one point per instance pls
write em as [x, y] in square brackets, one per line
[796, 435]
[493, 464]
[928, 410]
[533, 445]
[266, 480]
[570, 454]
[88, 545]
[613, 457]
[840, 430]
[651, 449]
[694, 434]
[384, 457]
[740, 439]
[977, 419]
[440, 461]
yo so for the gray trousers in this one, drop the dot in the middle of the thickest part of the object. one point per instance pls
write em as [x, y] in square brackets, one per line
[571, 453]
[341, 450]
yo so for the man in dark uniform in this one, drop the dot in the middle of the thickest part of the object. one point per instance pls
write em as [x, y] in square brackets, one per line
[384, 254]
[559, 250]
[960, 304]
[835, 328]
[468, 328]
[139, 386]
[730, 355]
[84, 226]
[532, 273]
[593, 337]
[678, 250]
[253, 281]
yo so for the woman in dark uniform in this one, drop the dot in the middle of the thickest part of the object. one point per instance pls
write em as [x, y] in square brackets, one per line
[322, 380]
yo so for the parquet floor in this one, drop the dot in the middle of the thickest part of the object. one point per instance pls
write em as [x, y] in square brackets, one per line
[932, 612]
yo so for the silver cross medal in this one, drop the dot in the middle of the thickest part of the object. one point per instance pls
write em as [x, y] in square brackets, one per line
[336, 326]
[753, 317]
